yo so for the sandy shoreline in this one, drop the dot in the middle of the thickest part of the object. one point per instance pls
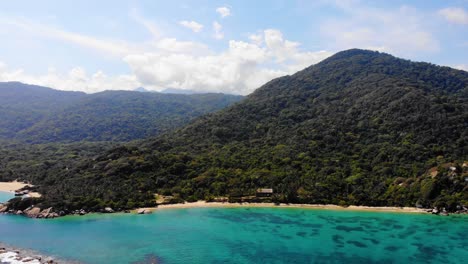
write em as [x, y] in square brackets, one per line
[15, 185]
[203, 204]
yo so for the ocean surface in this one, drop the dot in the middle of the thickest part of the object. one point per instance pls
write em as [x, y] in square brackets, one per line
[245, 235]
[5, 196]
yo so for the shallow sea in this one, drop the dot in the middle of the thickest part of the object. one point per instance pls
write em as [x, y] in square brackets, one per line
[245, 235]
[5, 196]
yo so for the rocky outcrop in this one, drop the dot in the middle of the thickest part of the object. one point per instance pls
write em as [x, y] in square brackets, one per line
[15, 255]
[144, 211]
[21, 193]
[108, 210]
[33, 212]
[36, 212]
[45, 213]
[444, 212]
[461, 210]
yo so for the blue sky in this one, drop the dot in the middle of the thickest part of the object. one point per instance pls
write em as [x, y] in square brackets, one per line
[223, 46]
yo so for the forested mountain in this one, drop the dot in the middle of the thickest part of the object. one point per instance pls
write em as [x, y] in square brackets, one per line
[38, 115]
[22, 105]
[360, 127]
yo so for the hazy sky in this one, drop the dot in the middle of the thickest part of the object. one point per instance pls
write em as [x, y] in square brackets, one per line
[225, 46]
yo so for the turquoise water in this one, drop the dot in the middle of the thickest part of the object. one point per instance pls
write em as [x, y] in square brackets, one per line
[5, 196]
[245, 235]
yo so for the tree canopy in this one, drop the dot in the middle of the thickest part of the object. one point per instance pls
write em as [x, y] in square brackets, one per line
[360, 127]
[37, 114]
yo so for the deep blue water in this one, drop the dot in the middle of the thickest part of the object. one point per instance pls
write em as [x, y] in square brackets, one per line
[245, 235]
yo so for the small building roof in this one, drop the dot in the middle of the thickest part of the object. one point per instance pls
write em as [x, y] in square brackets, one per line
[264, 190]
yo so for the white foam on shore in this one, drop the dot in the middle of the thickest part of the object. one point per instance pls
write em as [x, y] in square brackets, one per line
[14, 258]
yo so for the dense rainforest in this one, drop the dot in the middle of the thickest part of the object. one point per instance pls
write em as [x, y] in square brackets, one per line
[35, 114]
[360, 127]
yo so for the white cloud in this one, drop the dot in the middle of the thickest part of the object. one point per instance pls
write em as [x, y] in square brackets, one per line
[455, 15]
[74, 80]
[302, 60]
[168, 62]
[401, 31]
[217, 28]
[282, 49]
[240, 69]
[463, 67]
[177, 46]
[192, 25]
[256, 38]
[223, 11]
[232, 70]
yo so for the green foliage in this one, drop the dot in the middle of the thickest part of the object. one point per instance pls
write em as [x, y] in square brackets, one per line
[40, 115]
[358, 128]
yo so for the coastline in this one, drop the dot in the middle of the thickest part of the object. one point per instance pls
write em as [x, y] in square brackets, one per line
[10, 254]
[11, 187]
[204, 204]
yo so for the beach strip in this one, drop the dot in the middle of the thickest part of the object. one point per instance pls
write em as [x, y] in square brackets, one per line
[203, 204]
[16, 185]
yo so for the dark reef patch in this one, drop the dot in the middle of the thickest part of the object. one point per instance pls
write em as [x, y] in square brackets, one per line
[356, 243]
[392, 248]
[337, 239]
[301, 234]
[373, 240]
[349, 228]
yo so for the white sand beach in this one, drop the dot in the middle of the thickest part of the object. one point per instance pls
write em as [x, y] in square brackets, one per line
[15, 185]
[200, 204]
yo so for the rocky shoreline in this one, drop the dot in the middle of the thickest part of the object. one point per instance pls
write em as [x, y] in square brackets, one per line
[15, 255]
[25, 190]
[48, 213]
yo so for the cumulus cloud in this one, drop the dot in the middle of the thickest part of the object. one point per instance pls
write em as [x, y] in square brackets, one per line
[240, 69]
[256, 38]
[401, 31]
[223, 11]
[192, 25]
[455, 15]
[230, 70]
[217, 28]
[75, 79]
[280, 48]
[166, 62]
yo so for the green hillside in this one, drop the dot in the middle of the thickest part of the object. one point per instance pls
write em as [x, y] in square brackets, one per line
[36, 114]
[360, 127]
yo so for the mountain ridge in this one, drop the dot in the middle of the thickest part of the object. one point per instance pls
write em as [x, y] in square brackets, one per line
[362, 128]
[39, 114]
